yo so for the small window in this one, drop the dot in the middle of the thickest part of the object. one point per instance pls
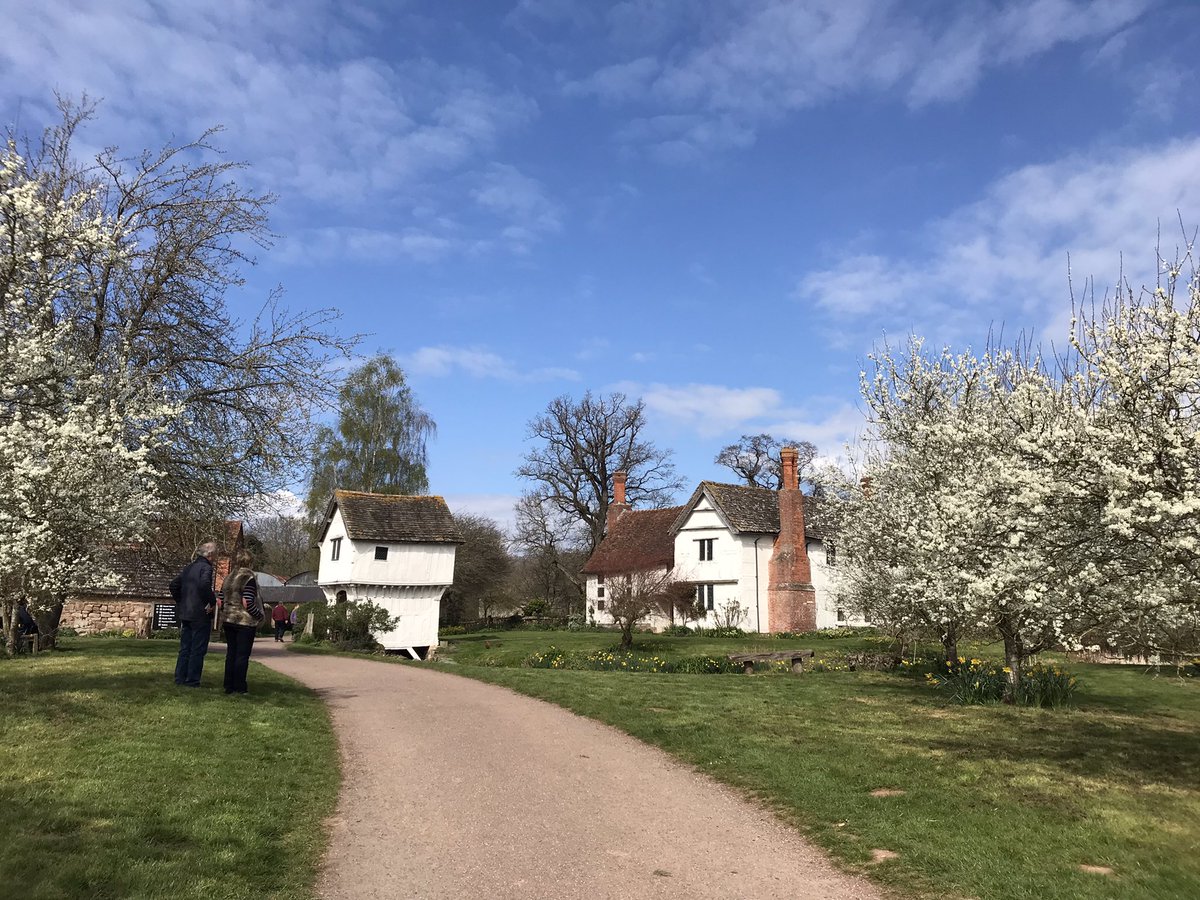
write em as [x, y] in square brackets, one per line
[705, 594]
[381, 552]
[600, 590]
[841, 615]
[600, 605]
[335, 549]
[706, 549]
[600, 580]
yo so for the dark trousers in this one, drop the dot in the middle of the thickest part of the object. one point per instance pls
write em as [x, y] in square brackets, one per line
[280, 628]
[193, 644]
[239, 641]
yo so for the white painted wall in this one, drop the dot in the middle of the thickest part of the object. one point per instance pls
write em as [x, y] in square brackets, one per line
[408, 584]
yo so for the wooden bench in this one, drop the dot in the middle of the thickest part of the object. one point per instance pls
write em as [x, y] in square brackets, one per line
[796, 657]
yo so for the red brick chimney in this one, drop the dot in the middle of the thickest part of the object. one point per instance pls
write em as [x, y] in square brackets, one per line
[618, 504]
[791, 597]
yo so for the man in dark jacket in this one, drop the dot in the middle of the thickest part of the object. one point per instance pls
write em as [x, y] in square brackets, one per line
[192, 591]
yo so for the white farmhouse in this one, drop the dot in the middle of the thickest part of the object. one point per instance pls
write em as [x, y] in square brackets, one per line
[395, 551]
[756, 558]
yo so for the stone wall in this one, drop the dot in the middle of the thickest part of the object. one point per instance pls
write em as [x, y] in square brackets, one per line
[92, 615]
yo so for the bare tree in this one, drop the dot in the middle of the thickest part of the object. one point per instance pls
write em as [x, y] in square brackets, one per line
[287, 545]
[633, 597]
[549, 553]
[243, 391]
[245, 388]
[579, 447]
[755, 459]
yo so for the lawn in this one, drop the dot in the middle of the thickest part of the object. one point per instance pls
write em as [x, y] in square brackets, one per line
[989, 802]
[119, 784]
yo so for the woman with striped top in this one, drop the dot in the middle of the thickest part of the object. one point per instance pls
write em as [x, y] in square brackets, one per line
[241, 611]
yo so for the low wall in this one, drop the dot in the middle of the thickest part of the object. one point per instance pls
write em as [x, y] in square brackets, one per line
[92, 615]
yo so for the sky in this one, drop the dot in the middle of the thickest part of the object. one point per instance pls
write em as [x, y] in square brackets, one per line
[717, 207]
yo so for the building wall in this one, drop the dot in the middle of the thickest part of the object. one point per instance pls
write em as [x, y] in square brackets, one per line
[408, 584]
[97, 613]
[732, 571]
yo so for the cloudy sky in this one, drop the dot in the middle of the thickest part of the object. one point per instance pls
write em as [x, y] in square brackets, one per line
[718, 207]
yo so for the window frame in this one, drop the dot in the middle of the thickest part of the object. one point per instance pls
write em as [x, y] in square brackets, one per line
[706, 598]
[707, 548]
[384, 557]
[335, 549]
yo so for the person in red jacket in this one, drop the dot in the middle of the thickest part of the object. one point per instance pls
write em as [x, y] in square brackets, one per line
[279, 615]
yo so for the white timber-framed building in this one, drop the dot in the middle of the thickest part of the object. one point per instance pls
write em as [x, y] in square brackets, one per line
[395, 551]
[755, 557]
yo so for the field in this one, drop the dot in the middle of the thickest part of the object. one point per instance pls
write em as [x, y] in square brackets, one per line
[1099, 800]
[119, 784]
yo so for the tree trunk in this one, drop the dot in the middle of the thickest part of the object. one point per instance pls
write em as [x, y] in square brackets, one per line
[52, 623]
[1014, 656]
[8, 619]
[950, 645]
[627, 636]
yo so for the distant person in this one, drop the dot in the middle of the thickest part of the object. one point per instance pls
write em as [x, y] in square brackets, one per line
[27, 625]
[279, 615]
[192, 592]
[241, 613]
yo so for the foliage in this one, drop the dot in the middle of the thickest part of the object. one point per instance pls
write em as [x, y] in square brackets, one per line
[754, 458]
[580, 445]
[481, 566]
[351, 625]
[977, 681]
[1053, 500]
[77, 439]
[379, 442]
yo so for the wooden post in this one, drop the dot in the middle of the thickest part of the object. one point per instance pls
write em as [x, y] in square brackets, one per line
[308, 625]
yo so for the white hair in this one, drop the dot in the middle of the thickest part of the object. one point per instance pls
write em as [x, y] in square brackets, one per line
[208, 549]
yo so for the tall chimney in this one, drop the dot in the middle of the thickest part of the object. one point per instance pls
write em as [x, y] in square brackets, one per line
[618, 504]
[791, 597]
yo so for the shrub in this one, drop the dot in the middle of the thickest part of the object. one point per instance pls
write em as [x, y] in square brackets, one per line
[678, 631]
[978, 682]
[352, 625]
[161, 634]
[451, 630]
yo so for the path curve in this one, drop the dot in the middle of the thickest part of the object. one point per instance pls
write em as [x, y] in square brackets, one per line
[459, 789]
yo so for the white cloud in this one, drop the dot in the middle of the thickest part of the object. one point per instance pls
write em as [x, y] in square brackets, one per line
[444, 361]
[750, 62]
[294, 84]
[717, 411]
[1007, 254]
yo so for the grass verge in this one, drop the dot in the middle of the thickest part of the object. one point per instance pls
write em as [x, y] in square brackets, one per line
[120, 784]
[988, 802]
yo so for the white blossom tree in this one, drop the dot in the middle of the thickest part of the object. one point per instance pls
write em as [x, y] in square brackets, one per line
[75, 440]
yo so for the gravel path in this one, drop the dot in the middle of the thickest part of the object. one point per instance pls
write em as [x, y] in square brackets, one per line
[455, 788]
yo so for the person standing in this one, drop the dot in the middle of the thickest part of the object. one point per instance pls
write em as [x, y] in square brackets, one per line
[241, 611]
[279, 615]
[192, 592]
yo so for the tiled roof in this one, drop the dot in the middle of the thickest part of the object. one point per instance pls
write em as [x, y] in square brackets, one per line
[142, 571]
[754, 510]
[394, 518]
[638, 541]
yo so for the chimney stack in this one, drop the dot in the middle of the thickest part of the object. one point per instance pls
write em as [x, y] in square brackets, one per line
[618, 504]
[791, 596]
[789, 463]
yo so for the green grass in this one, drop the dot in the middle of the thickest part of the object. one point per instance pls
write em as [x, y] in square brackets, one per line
[117, 783]
[511, 648]
[998, 802]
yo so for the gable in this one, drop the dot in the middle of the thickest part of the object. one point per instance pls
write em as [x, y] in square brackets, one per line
[745, 509]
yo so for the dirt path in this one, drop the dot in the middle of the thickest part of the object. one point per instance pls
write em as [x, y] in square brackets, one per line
[455, 788]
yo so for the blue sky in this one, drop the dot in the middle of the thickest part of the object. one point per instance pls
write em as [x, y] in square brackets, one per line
[718, 207]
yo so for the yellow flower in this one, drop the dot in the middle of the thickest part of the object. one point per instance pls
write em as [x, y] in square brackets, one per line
[1007, 670]
[961, 660]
